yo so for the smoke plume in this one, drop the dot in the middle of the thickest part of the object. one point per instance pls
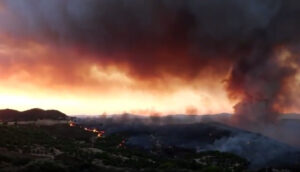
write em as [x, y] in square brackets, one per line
[255, 42]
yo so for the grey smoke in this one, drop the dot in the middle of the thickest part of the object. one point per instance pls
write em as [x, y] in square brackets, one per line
[259, 150]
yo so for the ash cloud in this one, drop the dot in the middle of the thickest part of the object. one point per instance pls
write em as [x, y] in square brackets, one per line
[180, 38]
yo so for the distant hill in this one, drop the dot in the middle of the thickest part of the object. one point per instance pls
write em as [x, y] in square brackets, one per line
[31, 115]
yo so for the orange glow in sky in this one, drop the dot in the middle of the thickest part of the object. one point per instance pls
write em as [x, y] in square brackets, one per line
[32, 79]
[119, 99]
[145, 104]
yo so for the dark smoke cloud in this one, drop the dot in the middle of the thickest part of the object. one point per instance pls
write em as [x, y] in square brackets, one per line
[180, 38]
[160, 35]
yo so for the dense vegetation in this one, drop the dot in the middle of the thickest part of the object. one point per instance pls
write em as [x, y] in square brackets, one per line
[64, 148]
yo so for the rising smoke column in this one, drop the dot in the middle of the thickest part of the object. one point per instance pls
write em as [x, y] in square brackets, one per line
[182, 39]
[259, 80]
[262, 78]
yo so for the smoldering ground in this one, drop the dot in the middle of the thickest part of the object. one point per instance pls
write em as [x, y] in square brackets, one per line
[197, 133]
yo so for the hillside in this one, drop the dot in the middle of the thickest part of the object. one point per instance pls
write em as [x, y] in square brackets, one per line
[259, 150]
[30, 148]
[7, 115]
[139, 147]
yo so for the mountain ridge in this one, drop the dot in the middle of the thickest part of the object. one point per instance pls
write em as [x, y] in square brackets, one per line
[7, 115]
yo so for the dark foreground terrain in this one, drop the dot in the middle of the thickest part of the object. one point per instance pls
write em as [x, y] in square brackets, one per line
[76, 147]
[65, 148]
[38, 140]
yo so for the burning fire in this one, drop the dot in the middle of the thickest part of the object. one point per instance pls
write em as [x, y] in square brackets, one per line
[99, 133]
[72, 124]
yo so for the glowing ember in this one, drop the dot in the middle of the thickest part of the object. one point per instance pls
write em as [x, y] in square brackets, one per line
[122, 143]
[94, 130]
[72, 124]
[100, 133]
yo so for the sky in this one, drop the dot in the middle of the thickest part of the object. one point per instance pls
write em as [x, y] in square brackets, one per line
[150, 57]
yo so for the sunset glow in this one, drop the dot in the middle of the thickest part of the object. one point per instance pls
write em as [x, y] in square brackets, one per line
[117, 100]
[31, 77]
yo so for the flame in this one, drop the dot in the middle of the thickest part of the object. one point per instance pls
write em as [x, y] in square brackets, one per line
[100, 133]
[94, 130]
[72, 124]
